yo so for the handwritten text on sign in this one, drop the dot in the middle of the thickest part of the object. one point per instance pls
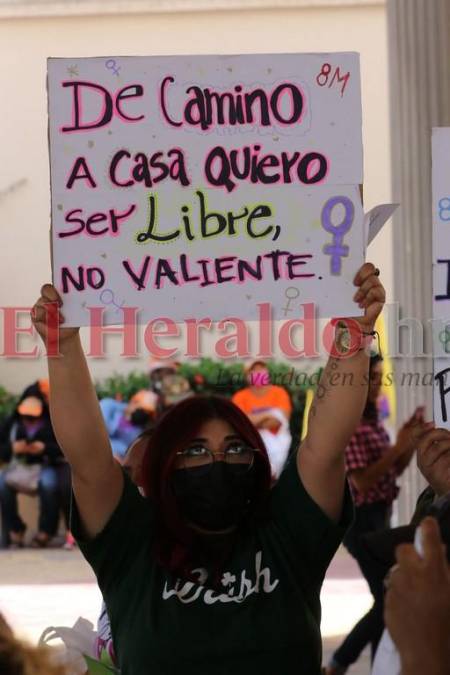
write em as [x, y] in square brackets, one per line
[202, 186]
[441, 274]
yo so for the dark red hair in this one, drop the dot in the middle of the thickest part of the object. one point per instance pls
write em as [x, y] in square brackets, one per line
[174, 539]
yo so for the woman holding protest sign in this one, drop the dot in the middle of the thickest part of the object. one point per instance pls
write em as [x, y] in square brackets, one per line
[214, 572]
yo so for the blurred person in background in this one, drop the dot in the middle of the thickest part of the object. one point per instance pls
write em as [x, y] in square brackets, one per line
[269, 408]
[373, 465]
[158, 370]
[34, 465]
[20, 658]
[168, 384]
[126, 421]
[39, 389]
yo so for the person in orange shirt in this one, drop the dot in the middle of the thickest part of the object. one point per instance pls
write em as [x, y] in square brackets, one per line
[269, 407]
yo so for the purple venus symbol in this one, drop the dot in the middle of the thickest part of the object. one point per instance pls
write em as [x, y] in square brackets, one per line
[337, 250]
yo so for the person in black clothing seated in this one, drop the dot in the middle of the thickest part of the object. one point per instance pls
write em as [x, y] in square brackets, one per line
[27, 438]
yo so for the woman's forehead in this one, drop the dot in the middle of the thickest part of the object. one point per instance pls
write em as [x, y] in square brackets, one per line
[215, 428]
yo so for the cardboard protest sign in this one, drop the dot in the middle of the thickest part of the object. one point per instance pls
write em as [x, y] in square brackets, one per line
[441, 274]
[201, 186]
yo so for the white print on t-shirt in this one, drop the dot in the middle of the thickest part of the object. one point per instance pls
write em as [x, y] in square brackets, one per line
[237, 589]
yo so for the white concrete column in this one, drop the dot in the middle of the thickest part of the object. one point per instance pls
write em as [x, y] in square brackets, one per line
[419, 56]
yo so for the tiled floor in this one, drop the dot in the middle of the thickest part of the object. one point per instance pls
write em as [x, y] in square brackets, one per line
[54, 587]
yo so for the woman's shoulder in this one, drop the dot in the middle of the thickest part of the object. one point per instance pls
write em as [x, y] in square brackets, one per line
[125, 537]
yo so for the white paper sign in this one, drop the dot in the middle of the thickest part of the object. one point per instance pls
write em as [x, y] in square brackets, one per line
[201, 186]
[441, 274]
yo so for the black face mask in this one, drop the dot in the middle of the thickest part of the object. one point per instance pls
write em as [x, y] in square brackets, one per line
[215, 500]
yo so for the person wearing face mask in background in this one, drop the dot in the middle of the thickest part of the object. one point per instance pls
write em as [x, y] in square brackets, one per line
[269, 408]
[126, 421]
[215, 571]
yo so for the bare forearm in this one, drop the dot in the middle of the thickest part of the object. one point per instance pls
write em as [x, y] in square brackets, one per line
[75, 412]
[338, 404]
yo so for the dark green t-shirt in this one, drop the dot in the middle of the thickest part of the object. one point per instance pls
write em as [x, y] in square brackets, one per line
[266, 620]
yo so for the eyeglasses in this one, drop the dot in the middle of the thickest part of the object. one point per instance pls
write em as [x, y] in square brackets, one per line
[237, 455]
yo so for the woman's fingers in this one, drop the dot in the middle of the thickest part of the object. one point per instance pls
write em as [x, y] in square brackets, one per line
[366, 285]
[39, 311]
[375, 293]
[370, 295]
[46, 311]
[47, 318]
[50, 294]
[371, 285]
[365, 271]
[47, 304]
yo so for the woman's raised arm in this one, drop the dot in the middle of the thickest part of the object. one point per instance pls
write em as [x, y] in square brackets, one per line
[337, 407]
[76, 417]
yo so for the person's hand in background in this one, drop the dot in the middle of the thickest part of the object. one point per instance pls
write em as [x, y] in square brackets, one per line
[19, 447]
[35, 448]
[409, 436]
[417, 605]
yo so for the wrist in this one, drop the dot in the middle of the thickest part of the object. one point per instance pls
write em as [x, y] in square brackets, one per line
[70, 346]
[352, 338]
